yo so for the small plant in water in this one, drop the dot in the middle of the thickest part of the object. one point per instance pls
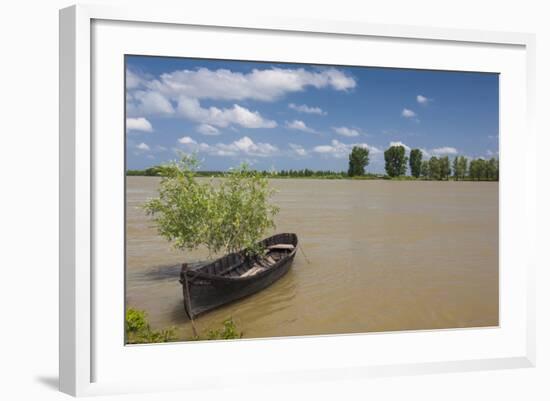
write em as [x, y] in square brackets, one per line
[228, 332]
[138, 329]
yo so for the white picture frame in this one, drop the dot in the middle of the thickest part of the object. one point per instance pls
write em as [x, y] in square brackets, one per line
[80, 214]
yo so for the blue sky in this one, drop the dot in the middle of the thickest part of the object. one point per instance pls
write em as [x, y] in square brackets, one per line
[283, 116]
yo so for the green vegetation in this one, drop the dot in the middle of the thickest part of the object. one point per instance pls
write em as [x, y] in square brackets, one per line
[424, 169]
[149, 172]
[433, 169]
[228, 332]
[444, 167]
[305, 173]
[415, 162]
[439, 168]
[138, 330]
[484, 170]
[396, 161]
[436, 168]
[460, 168]
[157, 171]
[358, 160]
[232, 215]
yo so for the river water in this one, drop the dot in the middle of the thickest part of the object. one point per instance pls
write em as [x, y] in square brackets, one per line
[383, 256]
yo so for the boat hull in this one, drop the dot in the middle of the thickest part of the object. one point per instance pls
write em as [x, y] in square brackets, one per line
[203, 293]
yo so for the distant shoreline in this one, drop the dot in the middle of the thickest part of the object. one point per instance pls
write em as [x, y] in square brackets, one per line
[367, 177]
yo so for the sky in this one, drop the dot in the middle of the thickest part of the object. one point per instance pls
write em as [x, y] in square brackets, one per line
[277, 116]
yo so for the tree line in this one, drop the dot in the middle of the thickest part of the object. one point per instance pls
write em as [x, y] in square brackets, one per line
[306, 173]
[397, 163]
[434, 168]
[157, 171]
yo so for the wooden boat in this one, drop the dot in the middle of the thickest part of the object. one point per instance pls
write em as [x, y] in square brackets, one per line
[236, 276]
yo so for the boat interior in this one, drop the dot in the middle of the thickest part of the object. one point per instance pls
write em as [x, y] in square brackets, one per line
[237, 266]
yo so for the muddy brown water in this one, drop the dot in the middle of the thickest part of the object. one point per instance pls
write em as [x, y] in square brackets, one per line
[383, 256]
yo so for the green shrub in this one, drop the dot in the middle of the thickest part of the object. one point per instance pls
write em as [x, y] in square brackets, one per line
[228, 216]
[136, 320]
[228, 332]
[138, 330]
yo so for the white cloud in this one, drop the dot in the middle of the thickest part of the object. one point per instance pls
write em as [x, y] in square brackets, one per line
[266, 85]
[246, 145]
[138, 124]
[298, 150]
[426, 154]
[207, 129]
[300, 126]
[407, 113]
[422, 99]
[373, 149]
[148, 103]
[445, 150]
[399, 143]
[186, 140]
[345, 131]
[192, 110]
[143, 146]
[133, 80]
[179, 93]
[339, 150]
[303, 108]
[338, 80]
[241, 147]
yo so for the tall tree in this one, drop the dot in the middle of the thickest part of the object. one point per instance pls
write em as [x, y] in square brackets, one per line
[445, 167]
[492, 169]
[462, 167]
[477, 170]
[358, 160]
[396, 161]
[415, 162]
[456, 168]
[425, 169]
[434, 170]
